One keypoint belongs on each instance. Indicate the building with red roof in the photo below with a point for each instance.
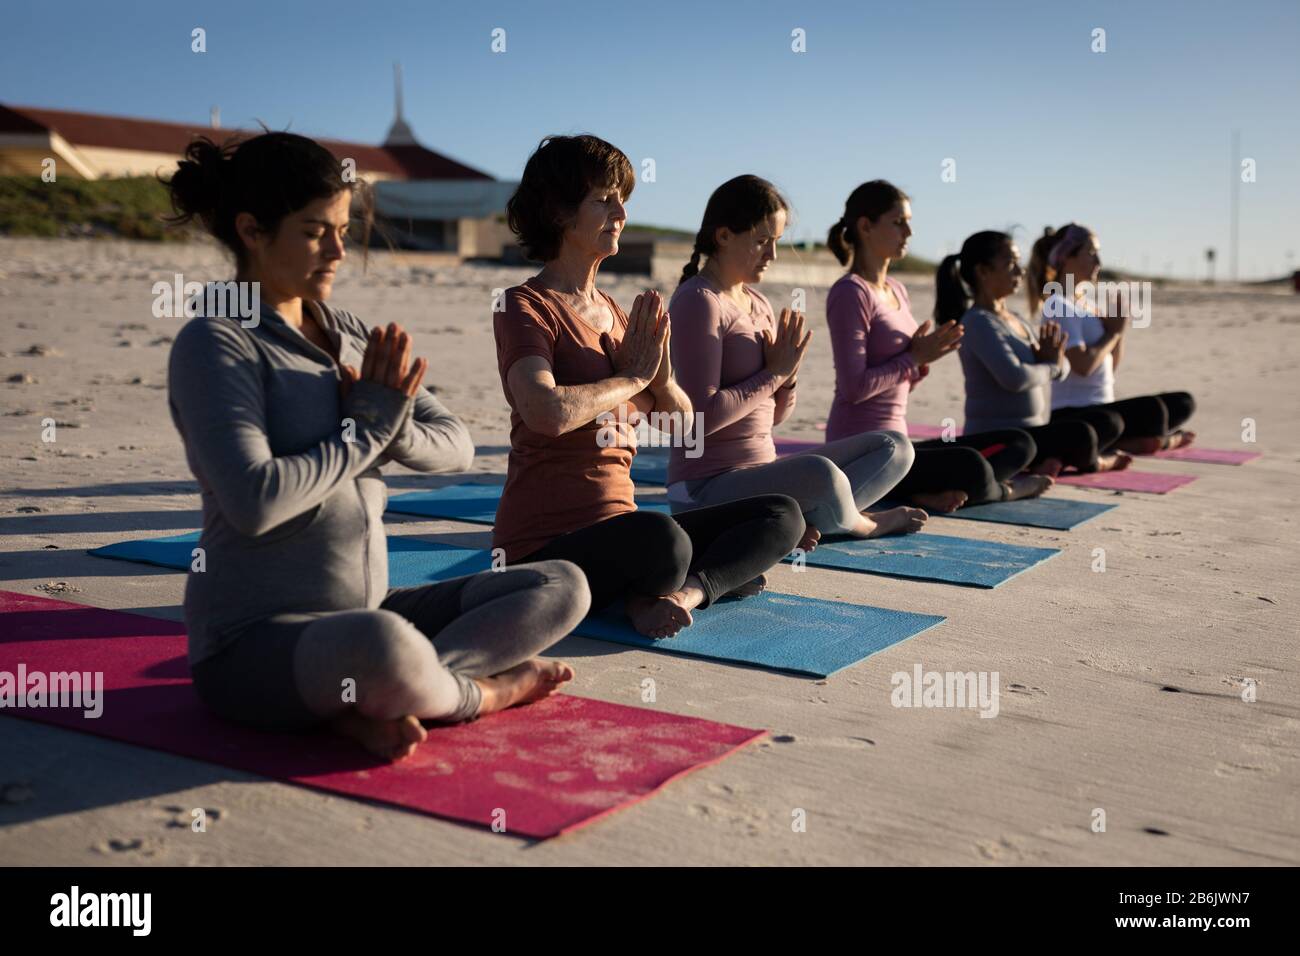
(429, 201)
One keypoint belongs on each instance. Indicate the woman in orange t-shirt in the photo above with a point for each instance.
(568, 355)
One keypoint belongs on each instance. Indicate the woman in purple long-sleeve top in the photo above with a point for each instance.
(881, 355)
(738, 363)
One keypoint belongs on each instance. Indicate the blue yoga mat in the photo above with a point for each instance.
(473, 503)
(170, 552)
(929, 557)
(780, 631)
(410, 561)
(650, 467)
(1059, 514)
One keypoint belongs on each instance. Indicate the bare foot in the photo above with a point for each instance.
(662, 616)
(1142, 446)
(522, 684)
(943, 502)
(1116, 462)
(1051, 467)
(900, 520)
(1027, 486)
(390, 739)
(809, 540)
(1179, 439)
(749, 588)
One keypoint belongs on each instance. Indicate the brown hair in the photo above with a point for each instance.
(739, 204)
(556, 179)
(269, 176)
(1040, 271)
(872, 200)
(955, 281)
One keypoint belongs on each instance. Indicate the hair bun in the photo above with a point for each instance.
(210, 160)
(198, 183)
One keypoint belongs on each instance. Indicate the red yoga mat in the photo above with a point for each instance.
(537, 771)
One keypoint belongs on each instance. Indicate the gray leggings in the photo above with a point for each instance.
(833, 483)
(417, 653)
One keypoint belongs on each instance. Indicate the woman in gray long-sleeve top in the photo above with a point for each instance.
(287, 416)
(1009, 371)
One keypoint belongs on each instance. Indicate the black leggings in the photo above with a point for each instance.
(976, 464)
(1073, 443)
(650, 554)
(1149, 416)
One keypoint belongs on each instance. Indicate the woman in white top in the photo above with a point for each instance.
(1064, 267)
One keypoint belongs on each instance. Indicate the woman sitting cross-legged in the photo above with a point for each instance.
(286, 421)
(568, 356)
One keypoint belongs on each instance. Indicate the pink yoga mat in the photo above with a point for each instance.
(1209, 456)
(1151, 482)
(552, 767)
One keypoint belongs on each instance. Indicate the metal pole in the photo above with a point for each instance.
(1236, 200)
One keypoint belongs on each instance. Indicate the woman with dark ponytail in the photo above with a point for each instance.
(1009, 369)
(738, 364)
(881, 355)
(1063, 273)
(286, 417)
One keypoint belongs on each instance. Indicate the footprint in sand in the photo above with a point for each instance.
(133, 846)
(1003, 849)
(183, 817)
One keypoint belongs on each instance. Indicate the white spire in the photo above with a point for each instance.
(399, 134)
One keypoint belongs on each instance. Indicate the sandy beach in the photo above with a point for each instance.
(1121, 690)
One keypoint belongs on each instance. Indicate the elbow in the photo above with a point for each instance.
(535, 416)
(466, 451)
(544, 421)
(251, 509)
(550, 425)
(468, 461)
(462, 449)
(248, 518)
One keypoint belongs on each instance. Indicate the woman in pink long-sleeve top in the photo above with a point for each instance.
(737, 362)
(874, 367)
(881, 355)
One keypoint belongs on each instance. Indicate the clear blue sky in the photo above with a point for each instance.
(1134, 141)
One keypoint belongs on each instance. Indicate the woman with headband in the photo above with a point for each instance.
(1010, 367)
(1069, 259)
(881, 355)
(739, 364)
